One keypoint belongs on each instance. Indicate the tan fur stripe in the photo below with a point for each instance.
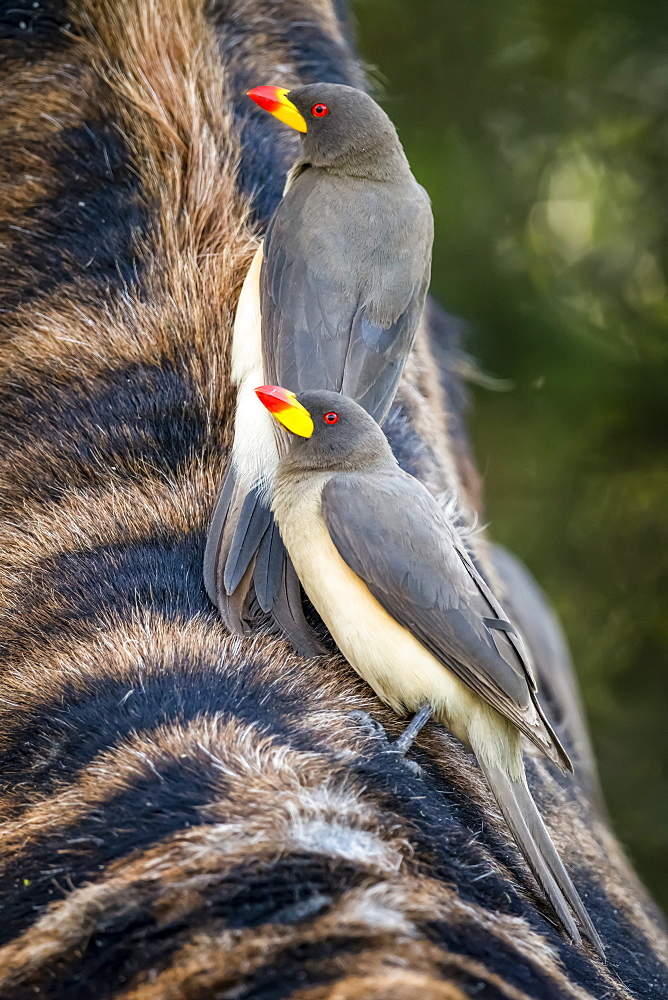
(152, 642)
(37, 101)
(386, 912)
(285, 784)
(164, 66)
(394, 984)
(179, 128)
(150, 647)
(188, 322)
(225, 961)
(322, 13)
(388, 915)
(115, 512)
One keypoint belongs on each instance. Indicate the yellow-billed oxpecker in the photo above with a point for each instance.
(406, 606)
(331, 301)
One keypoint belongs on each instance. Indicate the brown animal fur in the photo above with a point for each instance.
(185, 814)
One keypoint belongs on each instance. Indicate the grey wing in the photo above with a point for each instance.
(320, 327)
(393, 535)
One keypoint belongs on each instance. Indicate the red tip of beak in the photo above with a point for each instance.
(274, 397)
(266, 97)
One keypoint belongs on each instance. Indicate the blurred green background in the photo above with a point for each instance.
(540, 129)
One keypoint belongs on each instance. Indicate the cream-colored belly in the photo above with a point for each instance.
(402, 672)
(254, 450)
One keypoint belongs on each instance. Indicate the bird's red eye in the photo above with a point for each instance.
(331, 418)
(319, 110)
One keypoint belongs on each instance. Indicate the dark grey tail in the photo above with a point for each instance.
(246, 569)
(532, 837)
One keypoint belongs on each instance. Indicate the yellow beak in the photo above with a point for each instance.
(274, 100)
(286, 408)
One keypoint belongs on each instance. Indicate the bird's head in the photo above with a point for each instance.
(330, 431)
(343, 128)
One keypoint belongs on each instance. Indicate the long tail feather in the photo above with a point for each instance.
(246, 567)
(234, 608)
(214, 538)
(269, 568)
(540, 834)
(532, 837)
(252, 522)
(228, 529)
(289, 612)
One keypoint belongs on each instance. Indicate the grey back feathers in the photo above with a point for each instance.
(347, 255)
(344, 278)
(391, 532)
(345, 272)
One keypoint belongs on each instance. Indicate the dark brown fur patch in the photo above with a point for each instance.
(185, 814)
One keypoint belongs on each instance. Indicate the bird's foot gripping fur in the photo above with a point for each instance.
(402, 745)
(412, 730)
(371, 725)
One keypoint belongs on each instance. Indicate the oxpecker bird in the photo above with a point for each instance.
(395, 586)
(331, 301)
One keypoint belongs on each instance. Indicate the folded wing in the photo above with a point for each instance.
(340, 303)
(394, 536)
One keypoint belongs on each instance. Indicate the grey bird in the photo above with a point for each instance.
(406, 606)
(331, 301)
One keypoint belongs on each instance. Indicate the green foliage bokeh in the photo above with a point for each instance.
(540, 130)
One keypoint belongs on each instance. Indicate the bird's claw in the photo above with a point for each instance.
(367, 722)
(407, 762)
(375, 729)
